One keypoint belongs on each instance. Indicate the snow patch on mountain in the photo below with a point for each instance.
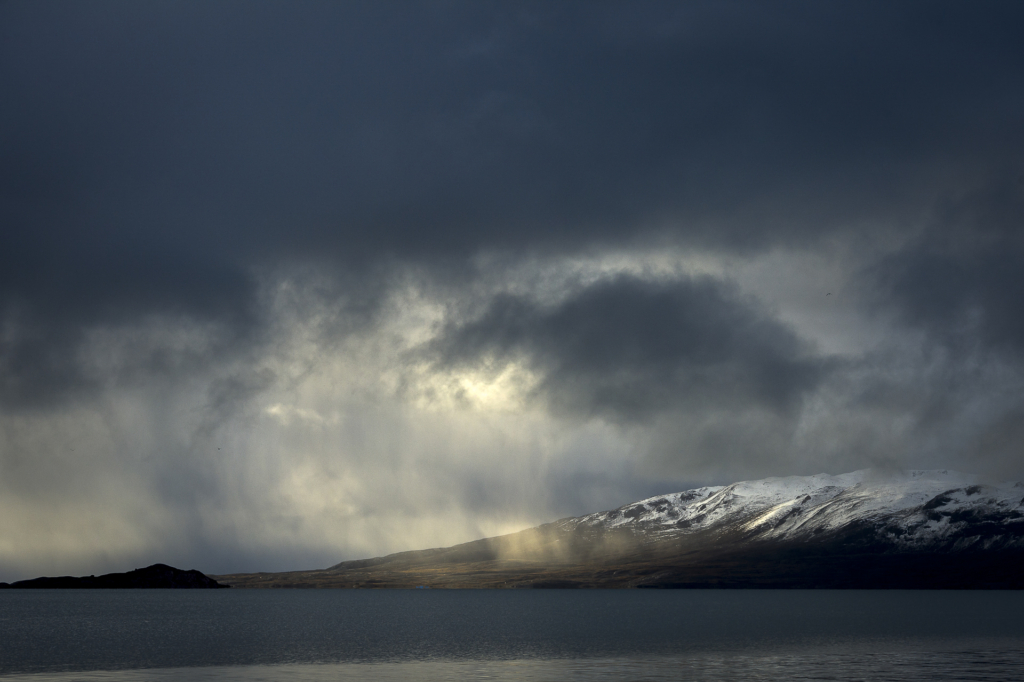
(912, 510)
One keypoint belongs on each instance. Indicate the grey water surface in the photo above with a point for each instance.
(136, 635)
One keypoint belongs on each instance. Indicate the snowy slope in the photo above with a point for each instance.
(917, 510)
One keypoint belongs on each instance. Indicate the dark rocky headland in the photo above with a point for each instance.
(159, 576)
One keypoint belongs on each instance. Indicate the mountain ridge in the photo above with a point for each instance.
(937, 509)
(919, 529)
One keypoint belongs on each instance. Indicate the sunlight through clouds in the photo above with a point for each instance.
(325, 281)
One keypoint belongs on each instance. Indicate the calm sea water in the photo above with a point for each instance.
(314, 635)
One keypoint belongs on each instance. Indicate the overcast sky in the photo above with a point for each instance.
(283, 284)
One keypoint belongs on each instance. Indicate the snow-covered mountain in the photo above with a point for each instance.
(913, 530)
(918, 510)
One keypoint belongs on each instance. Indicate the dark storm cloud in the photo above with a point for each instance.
(961, 282)
(153, 154)
(963, 279)
(263, 128)
(630, 349)
(46, 315)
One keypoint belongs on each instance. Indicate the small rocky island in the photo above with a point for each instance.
(155, 576)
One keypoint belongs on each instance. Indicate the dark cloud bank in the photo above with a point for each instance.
(627, 349)
(261, 227)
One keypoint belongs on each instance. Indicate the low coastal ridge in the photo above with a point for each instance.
(155, 576)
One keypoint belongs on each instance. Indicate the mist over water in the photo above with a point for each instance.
(534, 635)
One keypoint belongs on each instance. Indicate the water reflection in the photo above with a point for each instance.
(132, 636)
(1006, 666)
